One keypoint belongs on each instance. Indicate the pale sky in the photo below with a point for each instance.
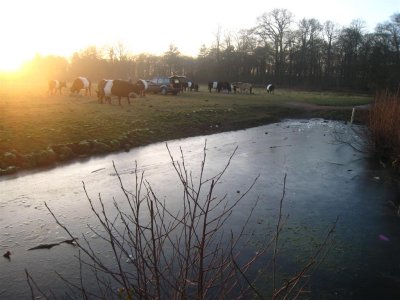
(63, 27)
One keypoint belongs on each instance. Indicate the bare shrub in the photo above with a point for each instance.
(185, 254)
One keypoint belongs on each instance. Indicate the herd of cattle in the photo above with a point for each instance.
(123, 88)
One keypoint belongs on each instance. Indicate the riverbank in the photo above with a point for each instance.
(37, 130)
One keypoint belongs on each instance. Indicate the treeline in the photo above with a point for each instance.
(301, 54)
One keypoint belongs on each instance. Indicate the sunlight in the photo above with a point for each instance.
(13, 58)
(10, 64)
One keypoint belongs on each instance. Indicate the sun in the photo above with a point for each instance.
(11, 63)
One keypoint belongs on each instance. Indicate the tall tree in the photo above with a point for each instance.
(391, 30)
(331, 32)
(385, 60)
(43, 68)
(171, 59)
(86, 63)
(217, 46)
(350, 41)
(308, 33)
(273, 27)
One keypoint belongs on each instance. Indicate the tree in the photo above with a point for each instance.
(392, 29)
(350, 41)
(121, 52)
(384, 56)
(308, 50)
(218, 43)
(273, 27)
(87, 62)
(331, 33)
(43, 68)
(171, 59)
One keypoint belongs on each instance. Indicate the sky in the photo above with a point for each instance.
(150, 26)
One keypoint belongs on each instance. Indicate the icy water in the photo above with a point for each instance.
(326, 179)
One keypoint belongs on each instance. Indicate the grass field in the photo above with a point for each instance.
(37, 129)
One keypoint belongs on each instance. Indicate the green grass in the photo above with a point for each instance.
(31, 121)
(323, 98)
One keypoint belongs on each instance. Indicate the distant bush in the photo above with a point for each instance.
(384, 125)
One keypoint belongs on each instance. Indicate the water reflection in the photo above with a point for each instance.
(326, 179)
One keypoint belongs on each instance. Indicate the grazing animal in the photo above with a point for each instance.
(212, 85)
(120, 88)
(220, 86)
(242, 87)
(81, 83)
(183, 82)
(100, 91)
(56, 85)
(193, 86)
(270, 88)
(224, 86)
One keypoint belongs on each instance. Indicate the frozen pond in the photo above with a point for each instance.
(326, 179)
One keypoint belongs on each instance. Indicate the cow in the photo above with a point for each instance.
(220, 86)
(212, 85)
(81, 83)
(242, 87)
(224, 86)
(56, 85)
(183, 82)
(270, 88)
(192, 86)
(120, 88)
(100, 91)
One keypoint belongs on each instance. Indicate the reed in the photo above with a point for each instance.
(384, 127)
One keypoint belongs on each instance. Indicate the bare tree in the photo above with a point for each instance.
(218, 38)
(273, 27)
(172, 62)
(308, 34)
(121, 51)
(392, 31)
(245, 41)
(331, 32)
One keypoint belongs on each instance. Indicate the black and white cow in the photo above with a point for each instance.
(56, 85)
(220, 86)
(100, 91)
(270, 88)
(224, 86)
(81, 83)
(120, 88)
(184, 83)
(192, 86)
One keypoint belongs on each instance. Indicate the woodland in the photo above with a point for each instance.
(304, 54)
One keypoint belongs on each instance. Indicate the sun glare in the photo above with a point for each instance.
(10, 64)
